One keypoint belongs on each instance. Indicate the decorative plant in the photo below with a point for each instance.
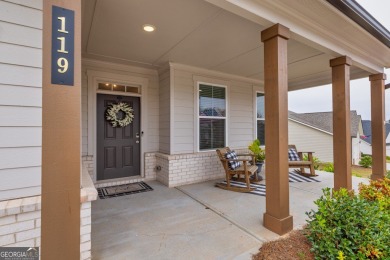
(366, 161)
(255, 148)
(377, 190)
(348, 226)
(329, 167)
(316, 161)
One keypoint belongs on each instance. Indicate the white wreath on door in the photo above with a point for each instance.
(112, 114)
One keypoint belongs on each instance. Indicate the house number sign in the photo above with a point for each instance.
(62, 52)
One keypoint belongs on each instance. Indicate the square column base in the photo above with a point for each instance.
(279, 226)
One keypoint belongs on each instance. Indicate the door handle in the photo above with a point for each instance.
(137, 135)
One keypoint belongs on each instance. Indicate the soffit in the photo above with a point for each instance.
(192, 32)
(318, 24)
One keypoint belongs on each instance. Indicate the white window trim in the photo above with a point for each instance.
(197, 117)
(255, 92)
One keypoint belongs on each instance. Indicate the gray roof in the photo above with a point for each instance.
(324, 120)
(367, 130)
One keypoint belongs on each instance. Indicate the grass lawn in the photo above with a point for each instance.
(359, 171)
(356, 170)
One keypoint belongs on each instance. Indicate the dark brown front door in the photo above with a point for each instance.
(118, 148)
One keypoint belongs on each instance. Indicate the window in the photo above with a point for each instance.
(119, 88)
(212, 117)
(260, 118)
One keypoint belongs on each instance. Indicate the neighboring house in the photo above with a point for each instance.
(314, 132)
(366, 138)
(196, 83)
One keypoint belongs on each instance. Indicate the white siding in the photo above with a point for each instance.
(308, 139)
(164, 112)
(20, 98)
(365, 148)
(240, 114)
(355, 150)
(183, 112)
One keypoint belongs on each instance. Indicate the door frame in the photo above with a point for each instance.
(93, 78)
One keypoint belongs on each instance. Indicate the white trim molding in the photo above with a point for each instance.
(96, 76)
(210, 82)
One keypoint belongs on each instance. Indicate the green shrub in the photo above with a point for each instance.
(388, 158)
(316, 161)
(255, 148)
(366, 161)
(378, 191)
(347, 226)
(329, 167)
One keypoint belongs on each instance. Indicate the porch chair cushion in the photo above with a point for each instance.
(232, 164)
(293, 155)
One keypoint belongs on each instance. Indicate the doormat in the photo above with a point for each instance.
(260, 188)
(122, 190)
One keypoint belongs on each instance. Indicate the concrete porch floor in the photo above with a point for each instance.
(197, 221)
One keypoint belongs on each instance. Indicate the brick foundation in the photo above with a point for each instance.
(20, 224)
(184, 169)
(20, 220)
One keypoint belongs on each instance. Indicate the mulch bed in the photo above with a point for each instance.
(294, 246)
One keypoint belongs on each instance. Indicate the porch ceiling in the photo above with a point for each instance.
(192, 32)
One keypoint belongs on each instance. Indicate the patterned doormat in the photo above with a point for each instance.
(122, 190)
(260, 188)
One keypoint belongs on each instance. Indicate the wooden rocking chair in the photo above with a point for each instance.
(246, 169)
(303, 164)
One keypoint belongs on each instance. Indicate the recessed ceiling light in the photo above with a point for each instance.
(149, 28)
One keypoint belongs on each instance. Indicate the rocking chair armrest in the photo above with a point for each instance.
(253, 157)
(247, 155)
(236, 160)
(308, 152)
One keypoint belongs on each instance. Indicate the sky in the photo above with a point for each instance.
(319, 99)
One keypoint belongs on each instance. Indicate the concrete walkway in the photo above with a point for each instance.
(196, 221)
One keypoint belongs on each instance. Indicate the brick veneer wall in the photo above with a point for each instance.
(20, 224)
(184, 169)
(88, 164)
(175, 170)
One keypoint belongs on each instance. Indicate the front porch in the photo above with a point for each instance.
(192, 221)
(195, 85)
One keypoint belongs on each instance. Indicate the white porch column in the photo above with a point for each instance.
(378, 126)
(277, 216)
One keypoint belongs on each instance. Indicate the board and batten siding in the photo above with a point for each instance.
(308, 139)
(240, 105)
(20, 98)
